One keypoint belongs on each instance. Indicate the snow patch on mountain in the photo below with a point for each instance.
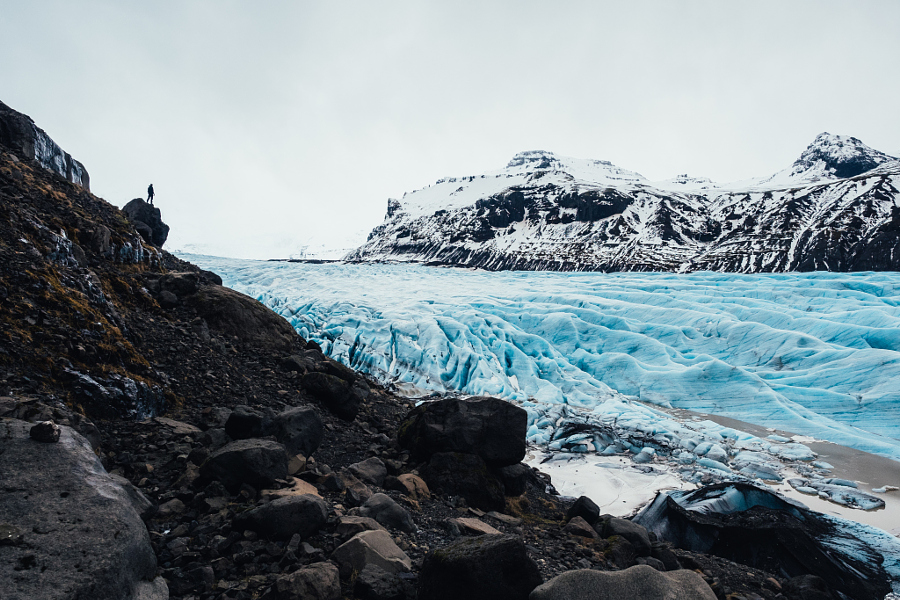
(836, 208)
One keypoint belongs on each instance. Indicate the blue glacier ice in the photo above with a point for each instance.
(813, 353)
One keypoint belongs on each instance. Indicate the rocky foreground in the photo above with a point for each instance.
(164, 437)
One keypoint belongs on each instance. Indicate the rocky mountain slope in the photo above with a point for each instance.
(836, 208)
(162, 436)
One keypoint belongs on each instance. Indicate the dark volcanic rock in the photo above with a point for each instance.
(319, 581)
(374, 583)
(636, 583)
(465, 475)
(80, 535)
(283, 517)
(585, 508)
(384, 510)
(338, 396)
(254, 461)
(492, 428)
(636, 534)
(116, 396)
(515, 478)
(299, 429)
(244, 423)
(19, 133)
(46, 431)
(488, 567)
(147, 217)
(235, 315)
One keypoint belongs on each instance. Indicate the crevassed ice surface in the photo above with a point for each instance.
(813, 353)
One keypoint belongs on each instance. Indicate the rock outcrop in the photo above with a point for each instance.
(70, 530)
(490, 427)
(147, 219)
(488, 567)
(19, 133)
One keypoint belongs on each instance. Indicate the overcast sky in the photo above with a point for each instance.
(267, 126)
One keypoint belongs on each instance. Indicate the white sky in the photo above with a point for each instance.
(267, 126)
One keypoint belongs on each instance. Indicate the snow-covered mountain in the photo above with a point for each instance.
(836, 208)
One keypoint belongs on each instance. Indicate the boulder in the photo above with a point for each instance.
(69, 529)
(338, 396)
(180, 284)
(383, 509)
(299, 429)
(349, 526)
(620, 552)
(256, 462)
(372, 470)
(492, 428)
(578, 526)
(167, 299)
(245, 422)
(473, 526)
(45, 431)
(663, 553)
(374, 583)
(233, 314)
(807, 587)
(636, 534)
(297, 487)
(464, 475)
(355, 491)
(487, 567)
(370, 547)
(408, 484)
(637, 583)
(515, 478)
(283, 517)
(319, 581)
(585, 508)
(139, 213)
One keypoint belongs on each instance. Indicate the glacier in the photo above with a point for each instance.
(816, 354)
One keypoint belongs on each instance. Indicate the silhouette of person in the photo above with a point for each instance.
(150, 194)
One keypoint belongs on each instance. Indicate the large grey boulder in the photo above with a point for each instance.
(636, 534)
(384, 510)
(370, 548)
(256, 462)
(74, 530)
(636, 583)
(488, 567)
(283, 517)
(489, 427)
(372, 470)
(319, 581)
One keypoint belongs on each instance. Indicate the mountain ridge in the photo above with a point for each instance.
(834, 208)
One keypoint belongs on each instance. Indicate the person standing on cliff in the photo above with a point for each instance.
(150, 194)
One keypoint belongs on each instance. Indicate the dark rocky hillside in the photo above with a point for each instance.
(162, 436)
